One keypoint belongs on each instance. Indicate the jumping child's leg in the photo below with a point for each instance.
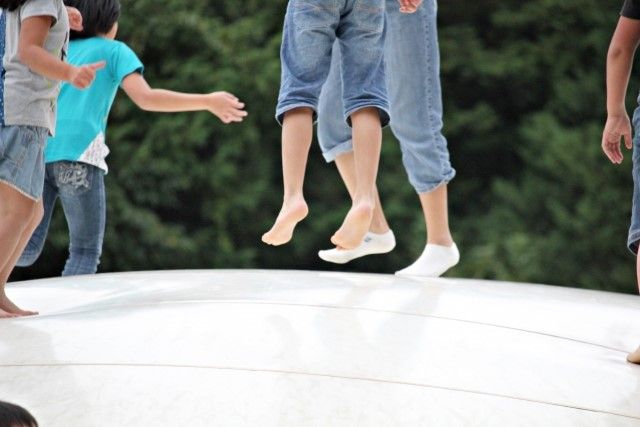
(367, 142)
(297, 133)
(347, 169)
(19, 216)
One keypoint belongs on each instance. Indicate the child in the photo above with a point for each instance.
(33, 44)
(310, 29)
(75, 158)
(415, 100)
(619, 63)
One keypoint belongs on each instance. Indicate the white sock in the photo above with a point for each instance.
(434, 261)
(372, 244)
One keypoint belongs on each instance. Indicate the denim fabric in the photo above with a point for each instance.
(310, 29)
(81, 190)
(22, 158)
(634, 230)
(413, 76)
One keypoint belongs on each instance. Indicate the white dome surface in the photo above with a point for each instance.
(293, 348)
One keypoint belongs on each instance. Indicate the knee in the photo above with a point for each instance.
(19, 215)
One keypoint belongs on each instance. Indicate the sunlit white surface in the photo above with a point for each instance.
(290, 348)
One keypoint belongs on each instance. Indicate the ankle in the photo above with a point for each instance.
(365, 201)
(444, 240)
(293, 197)
(379, 229)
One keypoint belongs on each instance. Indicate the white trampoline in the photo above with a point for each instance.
(292, 348)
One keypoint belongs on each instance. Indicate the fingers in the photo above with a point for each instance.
(227, 107)
(409, 6)
(628, 142)
(75, 25)
(611, 147)
(86, 74)
(75, 18)
(234, 115)
(97, 65)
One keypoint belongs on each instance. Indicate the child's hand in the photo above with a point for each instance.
(82, 77)
(225, 106)
(409, 6)
(75, 18)
(617, 127)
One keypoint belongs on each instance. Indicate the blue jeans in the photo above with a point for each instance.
(22, 159)
(81, 190)
(310, 29)
(413, 76)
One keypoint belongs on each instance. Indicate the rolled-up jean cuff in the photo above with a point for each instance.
(429, 188)
(338, 150)
(284, 108)
(383, 110)
(633, 241)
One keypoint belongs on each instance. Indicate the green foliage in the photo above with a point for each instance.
(523, 82)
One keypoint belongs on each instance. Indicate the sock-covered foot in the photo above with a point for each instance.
(373, 243)
(355, 226)
(434, 261)
(290, 215)
(7, 306)
(634, 357)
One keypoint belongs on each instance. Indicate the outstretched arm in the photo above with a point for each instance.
(619, 62)
(33, 35)
(222, 104)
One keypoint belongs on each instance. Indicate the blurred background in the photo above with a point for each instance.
(534, 199)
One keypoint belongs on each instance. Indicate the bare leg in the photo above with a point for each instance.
(379, 240)
(297, 133)
(367, 141)
(347, 168)
(6, 271)
(436, 216)
(16, 212)
(440, 253)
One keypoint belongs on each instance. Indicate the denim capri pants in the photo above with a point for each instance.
(310, 29)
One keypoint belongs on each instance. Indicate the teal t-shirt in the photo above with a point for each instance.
(82, 114)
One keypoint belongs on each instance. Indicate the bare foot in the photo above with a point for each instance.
(290, 215)
(355, 227)
(9, 307)
(6, 315)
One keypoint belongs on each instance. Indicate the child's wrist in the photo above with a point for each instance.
(616, 112)
(68, 73)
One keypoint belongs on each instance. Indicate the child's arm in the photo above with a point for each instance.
(619, 62)
(33, 35)
(224, 105)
